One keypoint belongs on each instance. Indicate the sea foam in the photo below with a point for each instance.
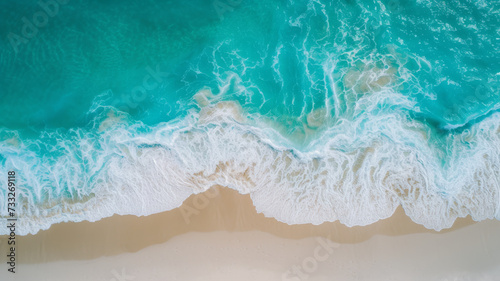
(358, 171)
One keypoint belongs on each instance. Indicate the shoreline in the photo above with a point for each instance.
(235, 212)
(225, 216)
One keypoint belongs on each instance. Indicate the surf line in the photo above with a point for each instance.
(11, 221)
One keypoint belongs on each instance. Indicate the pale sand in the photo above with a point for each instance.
(228, 240)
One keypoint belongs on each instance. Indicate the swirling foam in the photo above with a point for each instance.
(358, 172)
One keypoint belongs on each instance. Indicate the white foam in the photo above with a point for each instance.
(358, 172)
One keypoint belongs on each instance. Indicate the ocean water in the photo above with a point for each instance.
(320, 110)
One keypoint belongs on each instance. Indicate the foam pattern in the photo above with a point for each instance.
(127, 167)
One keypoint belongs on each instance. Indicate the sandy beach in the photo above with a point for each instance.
(327, 140)
(218, 235)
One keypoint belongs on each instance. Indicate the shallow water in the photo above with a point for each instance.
(321, 110)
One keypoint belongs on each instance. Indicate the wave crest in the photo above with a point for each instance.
(357, 172)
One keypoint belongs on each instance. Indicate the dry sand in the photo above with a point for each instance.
(220, 236)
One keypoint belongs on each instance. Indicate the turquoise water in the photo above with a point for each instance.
(321, 110)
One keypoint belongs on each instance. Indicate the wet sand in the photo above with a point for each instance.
(218, 235)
